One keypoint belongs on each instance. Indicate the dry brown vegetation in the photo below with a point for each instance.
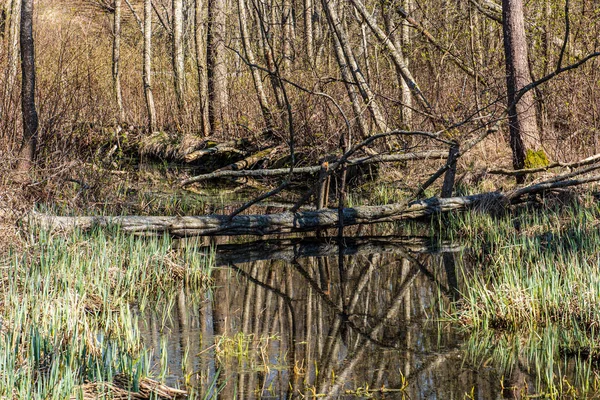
(445, 46)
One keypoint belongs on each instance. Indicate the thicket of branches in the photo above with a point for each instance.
(326, 69)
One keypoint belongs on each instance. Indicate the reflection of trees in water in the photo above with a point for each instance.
(338, 329)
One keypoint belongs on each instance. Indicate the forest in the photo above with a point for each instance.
(299, 198)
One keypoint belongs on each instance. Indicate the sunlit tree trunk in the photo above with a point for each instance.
(217, 66)
(350, 88)
(201, 65)
(116, 61)
(178, 58)
(358, 77)
(12, 50)
(256, 76)
(395, 53)
(399, 35)
(147, 71)
(30, 117)
(524, 133)
(308, 31)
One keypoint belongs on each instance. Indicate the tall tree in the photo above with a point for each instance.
(358, 77)
(30, 117)
(13, 42)
(201, 64)
(178, 58)
(217, 65)
(116, 61)
(524, 135)
(147, 70)
(256, 76)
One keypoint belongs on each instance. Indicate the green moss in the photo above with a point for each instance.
(536, 159)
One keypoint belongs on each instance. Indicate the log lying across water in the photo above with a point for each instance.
(223, 225)
(219, 225)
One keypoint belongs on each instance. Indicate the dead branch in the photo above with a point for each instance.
(527, 171)
(424, 155)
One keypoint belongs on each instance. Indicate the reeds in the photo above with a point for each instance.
(532, 294)
(68, 309)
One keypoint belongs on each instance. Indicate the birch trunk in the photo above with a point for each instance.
(394, 53)
(308, 31)
(178, 58)
(147, 69)
(256, 78)
(358, 77)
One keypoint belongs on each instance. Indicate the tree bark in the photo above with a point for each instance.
(256, 78)
(116, 63)
(178, 58)
(147, 70)
(358, 77)
(217, 66)
(30, 117)
(13, 42)
(394, 53)
(213, 225)
(522, 120)
(308, 31)
(201, 65)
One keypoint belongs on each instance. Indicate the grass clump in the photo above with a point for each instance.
(68, 309)
(531, 299)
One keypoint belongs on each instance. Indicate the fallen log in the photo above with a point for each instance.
(221, 148)
(212, 225)
(223, 225)
(425, 155)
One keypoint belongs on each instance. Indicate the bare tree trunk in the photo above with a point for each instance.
(256, 78)
(216, 65)
(287, 34)
(147, 71)
(200, 65)
(13, 43)
(350, 88)
(178, 59)
(394, 53)
(359, 78)
(267, 50)
(30, 117)
(308, 31)
(400, 42)
(116, 61)
(404, 46)
(524, 135)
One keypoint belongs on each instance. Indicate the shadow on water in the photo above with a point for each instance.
(287, 319)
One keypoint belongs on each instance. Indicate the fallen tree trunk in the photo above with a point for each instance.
(223, 225)
(425, 155)
(212, 225)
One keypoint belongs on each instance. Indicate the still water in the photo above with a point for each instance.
(308, 317)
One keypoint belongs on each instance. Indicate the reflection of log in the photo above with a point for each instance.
(305, 221)
(293, 249)
(425, 155)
